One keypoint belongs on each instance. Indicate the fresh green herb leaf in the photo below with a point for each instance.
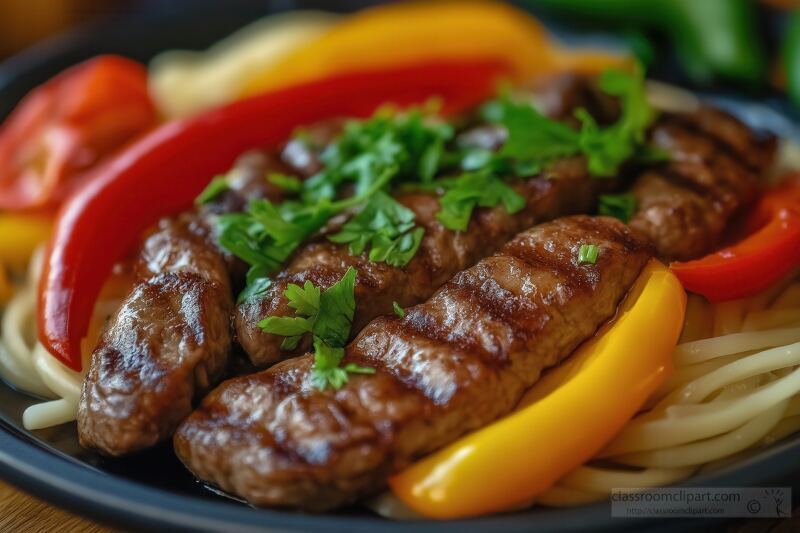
(399, 311)
(608, 148)
(386, 227)
(217, 186)
(534, 137)
(327, 314)
(370, 154)
(326, 371)
(535, 140)
(637, 114)
(353, 368)
(471, 190)
(286, 326)
(265, 235)
(286, 183)
(587, 254)
(257, 287)
(620, 206)
(304, 300)
(336, 307)
(408, 144)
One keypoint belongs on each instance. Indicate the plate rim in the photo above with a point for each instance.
(77, 487)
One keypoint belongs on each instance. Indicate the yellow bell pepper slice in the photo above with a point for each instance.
(564, 420)
(410, 32)
(20, 235)
(6, 289)
(186, 82)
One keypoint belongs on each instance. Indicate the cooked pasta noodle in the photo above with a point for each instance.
(28, 366)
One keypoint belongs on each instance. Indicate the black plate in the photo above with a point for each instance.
(153, 490)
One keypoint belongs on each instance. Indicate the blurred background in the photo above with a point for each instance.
(749, 47)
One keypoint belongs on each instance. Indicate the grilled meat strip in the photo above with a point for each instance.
(445, 252)
(451, 365)
(169, 342)
(565, 188)
(714, 169)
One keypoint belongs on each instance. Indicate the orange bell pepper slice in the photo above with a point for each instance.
(564, 420)
(406, 33)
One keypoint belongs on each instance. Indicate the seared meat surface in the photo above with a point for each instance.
(714, 169)
(453, 364)
(565, 188)
(169, 342)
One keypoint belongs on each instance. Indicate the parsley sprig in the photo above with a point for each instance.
(534, 140)
(365, 160)
(386, 227)
(328, 316)
(389, 149)
(475, 189)
(620, 206)
(265, 234)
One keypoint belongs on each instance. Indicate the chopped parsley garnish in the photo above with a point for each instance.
(258, 287)
(587, 254)
(284, 182)
(608, 148)
(367, 158)
(327, 315)
(217, 186)
(374, 156)
(406, 145)
(534, 140)
(265, 235)
(471, 190)
(327, 372)
(399, 311)
(620, 206)
(386, 227)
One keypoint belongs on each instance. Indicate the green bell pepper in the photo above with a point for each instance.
(713, 38)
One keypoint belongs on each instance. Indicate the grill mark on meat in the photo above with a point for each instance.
(567, 189)
(279, 441)
(685, 180)
(686, 203)
(754, 149)
(721, 144)
(170, 341)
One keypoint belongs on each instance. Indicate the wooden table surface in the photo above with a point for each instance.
(20, 513)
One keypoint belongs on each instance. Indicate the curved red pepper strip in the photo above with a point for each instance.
(163, 172)
(761, 259)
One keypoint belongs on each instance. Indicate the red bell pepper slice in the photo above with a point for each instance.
(769, 252)
(67, 125)
(163, 172)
